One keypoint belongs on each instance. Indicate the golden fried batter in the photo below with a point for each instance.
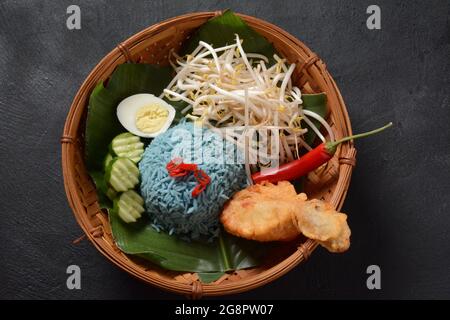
(263, 212)
(268, 212)
(318, 220)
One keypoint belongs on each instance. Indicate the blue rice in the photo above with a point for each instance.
(169, 201)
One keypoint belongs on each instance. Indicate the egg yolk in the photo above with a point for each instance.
(151, 118)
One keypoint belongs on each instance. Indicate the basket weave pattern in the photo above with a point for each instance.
(152, 45)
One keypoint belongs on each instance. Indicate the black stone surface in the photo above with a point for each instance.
(398, 202)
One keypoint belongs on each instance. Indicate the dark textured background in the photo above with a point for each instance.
(398, 201)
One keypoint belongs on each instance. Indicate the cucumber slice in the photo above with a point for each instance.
(122, 174)
(124, 215)
(108, 158)
(127, 145)
(130, 206)
(111, 193)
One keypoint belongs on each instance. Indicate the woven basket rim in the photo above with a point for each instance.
(120, 55)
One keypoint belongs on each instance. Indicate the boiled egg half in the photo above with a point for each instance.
(145, 115)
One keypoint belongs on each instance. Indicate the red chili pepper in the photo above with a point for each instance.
(198, 189)
(307, 163)
(202, 177)
(177, 168)
(173, 168)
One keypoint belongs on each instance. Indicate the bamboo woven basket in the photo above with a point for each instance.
(152, 45)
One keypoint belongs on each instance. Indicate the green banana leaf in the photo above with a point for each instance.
(207, 277)
(102, 188)
(222, 30)
(224, 254)
(102, 124)
(316, 103)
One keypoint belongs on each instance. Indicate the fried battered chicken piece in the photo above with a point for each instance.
(268, 212)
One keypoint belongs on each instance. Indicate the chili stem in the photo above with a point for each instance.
(360, 135)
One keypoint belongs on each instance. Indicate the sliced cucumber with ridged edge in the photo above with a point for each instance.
(129, 206)
(122, 174)
(128, 145)
(108, 158)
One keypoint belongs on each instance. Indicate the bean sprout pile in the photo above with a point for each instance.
(227, 87)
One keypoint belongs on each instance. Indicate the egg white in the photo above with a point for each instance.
(128, 108)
